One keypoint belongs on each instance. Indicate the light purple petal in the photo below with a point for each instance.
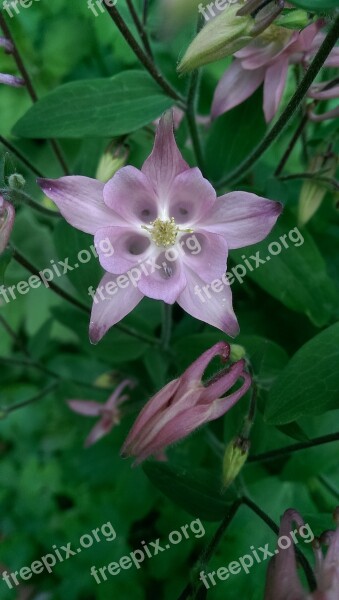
(102, 428)
(243, 218)
(116, 399)
(211, 261)
(213, 308)
(191, 196)
(166, 161)
(331, 114)
(80, 201)
(333, 59)
(319, 91)
(234, 87)
(11, 80)
(195, 372)
(223, 383)
(130, 194)
(274, 85)
(86, 407)
(168, 279)
(129, 245)
(111, 304)
(7, 217)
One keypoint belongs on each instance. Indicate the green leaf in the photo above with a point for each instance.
(195, 492)
(95, 108)
(317, 5)
(295, 275)
(310, 382)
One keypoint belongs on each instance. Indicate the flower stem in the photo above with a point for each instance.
(30, 88)
(20, 196)
(140, 28)
(191, 110)
(20, 156)
(145, 12)
(35, 398)
(140, 54)
(166, 325)
(77, 303)
(291, 108)
(281, 452)
(291, 145)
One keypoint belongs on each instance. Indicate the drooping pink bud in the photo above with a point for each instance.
(7, 216)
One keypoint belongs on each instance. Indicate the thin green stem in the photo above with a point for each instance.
(20, 196)
(330, 181)
(35, 398)
(291, 145)
(191, 113)
(291, 108)
(145, 12)
(20, 156)
(141, 55)
(166, 325)
(282, 452)
(140, 28)
(77, 303)
(29, 85)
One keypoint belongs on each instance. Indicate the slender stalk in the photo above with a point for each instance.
(140, 28)
(191, 112)
(29, 85)
(319, 179)
(267, 519)
(20, 156)
(20, 196)
(77, 303)
(141, 55)
(166, 325)
(35, 398)
(192, 590)
(145, 12)
(282, 452)
(291, 108)
(297, 134)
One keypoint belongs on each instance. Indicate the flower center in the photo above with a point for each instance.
(163, 233)
(274, 33)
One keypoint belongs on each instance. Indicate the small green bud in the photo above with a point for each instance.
(16, 181)
(111, 163)
(313, 192)
(293, 19)
(237, 352)
(235, 456)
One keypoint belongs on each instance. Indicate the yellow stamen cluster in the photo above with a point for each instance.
(163, 233)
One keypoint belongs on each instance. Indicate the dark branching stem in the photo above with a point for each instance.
(35, 398)
(297, 134)
(291, 108)
(29, 85)
(141, 55)
(77, 303)
(282, 452)
(20, 156)
(145, 12)
(140, 28)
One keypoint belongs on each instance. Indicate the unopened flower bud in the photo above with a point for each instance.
(111, 163)
(7, 215)
(293, 19)
(313, 192)
(16, 181)
(234, 459)
(237, 352)
(11, 80)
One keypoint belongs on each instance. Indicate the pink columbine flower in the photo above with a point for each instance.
(7, 216)
(266, 60)
(283, 582)
(109, 412)
(169, 231)
(326, 90)
(185, 404)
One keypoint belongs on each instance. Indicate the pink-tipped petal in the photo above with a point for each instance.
(242, 218)
(130, 194)
(195, 371)
(166, 161)
(190, 197)
(166, 278)
(214, 308)
(102, 428)
(7, 217)
(331, 114)
(234, 87)
(111, 304)
(209, 260)
(319, 92)
(80, 201)
(223, 382)
(126, 247)
(11, 80)
(274, 85)
(116, 398)
(86, 407)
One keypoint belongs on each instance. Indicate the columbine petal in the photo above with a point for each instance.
(99, 430)
(322, 92)
(11, 80)
(129, 248)
(331, 114)
(86, 407)
(80, 201)
(167, 281)
(242, 218)
(117, 303)
(166, 161)
(209, 262)
(7, 217)
(214, 308)
(235, 86)
(130, 194)
(191, 196)
(116, 399)
(274, 85)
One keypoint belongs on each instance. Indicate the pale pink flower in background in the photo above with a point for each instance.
(11, 80)
(283, 581)
(149, 216)
(7, 216)
(109, 413)
(185, 404)
(326, 90)
(266, 61)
